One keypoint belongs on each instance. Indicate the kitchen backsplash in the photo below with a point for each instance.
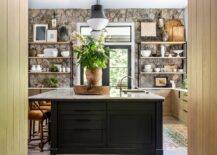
(70, 18)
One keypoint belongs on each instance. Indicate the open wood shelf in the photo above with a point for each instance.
(48, 43)
(163, 58)
(163, 42)
(35, 88)
(49, 72)
(49, 57)
(163, 73)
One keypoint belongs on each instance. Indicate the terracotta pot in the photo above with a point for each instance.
(94, 76)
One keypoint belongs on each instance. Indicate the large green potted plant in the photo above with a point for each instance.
(92, 55)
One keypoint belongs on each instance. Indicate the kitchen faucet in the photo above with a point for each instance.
(121, 82)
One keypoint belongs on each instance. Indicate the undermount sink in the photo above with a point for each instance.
(135, 91)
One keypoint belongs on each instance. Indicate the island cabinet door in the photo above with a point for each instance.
(132, 125)
(81, 125)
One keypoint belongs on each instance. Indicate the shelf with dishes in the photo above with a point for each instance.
(49, 72)
(44, 88)
(48, 43)
(50, 58)
(173, 54)
(164, 42)
(163, 57)
(162, 62)
(163, 72)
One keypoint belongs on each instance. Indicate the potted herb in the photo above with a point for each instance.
(53, 68)
(51, 82)
(92, 55)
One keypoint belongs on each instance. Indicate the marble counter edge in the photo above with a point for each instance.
(69, 95)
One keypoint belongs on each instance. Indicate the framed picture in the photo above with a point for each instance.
(51, 35)
(40, 32)
(161, 81)
(148, 29)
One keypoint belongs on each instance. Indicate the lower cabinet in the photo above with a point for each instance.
(180, 105)
(131, 126)
(105, 128)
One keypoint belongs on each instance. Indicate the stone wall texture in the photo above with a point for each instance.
(70, 18)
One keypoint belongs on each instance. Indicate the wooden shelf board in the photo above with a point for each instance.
(163, 42)
(49, 43)
(35, 88)
(163, 58)
(50, 57)
(163, 73)
(49, 73)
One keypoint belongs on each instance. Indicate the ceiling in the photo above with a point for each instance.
(85, 4)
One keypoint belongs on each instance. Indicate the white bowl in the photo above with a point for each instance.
(181, 70)
(40, 55)
(148, 70)
(178, 52)
(145, 53)
(65, 54)
(50, 52)
(157, 70)
(147, 66)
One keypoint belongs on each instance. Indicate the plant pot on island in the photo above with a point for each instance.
(92, 55)
(93, 76)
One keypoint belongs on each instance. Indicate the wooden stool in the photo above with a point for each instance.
(38, 114)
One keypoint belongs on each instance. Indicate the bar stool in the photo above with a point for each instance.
(37, 114)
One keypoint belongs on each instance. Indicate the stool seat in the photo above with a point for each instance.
(45, 103)
(48, 108)
(37, 114)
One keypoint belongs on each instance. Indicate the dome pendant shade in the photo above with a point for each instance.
(98, 20)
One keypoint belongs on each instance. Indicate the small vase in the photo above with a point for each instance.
(163, 50)
(33, 53)
(94, 77)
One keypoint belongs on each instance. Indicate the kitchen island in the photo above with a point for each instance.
(104, 124)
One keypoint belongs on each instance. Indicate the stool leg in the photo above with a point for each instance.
(49, 123)
(39, 126)
(33, 128)
(30, 130)
(41, 145)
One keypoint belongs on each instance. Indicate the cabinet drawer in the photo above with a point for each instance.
(81, 108)
(82, 137)
(134, 106)
(70, 122)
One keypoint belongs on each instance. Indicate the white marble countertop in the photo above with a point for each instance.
(68, 94)
(177, 89)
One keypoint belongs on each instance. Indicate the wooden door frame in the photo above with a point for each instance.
(14, 77)
(202, 55)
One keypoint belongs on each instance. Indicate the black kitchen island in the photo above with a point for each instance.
(114, 124)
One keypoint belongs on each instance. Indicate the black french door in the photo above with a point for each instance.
(119, 65)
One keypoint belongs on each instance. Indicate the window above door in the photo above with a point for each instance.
(115, 33)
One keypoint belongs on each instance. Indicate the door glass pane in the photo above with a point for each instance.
(116, 74)
(118, 66)
(119, 58)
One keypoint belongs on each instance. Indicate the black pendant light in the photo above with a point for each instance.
(98, 20)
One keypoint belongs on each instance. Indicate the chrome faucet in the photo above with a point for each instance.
(121, 82)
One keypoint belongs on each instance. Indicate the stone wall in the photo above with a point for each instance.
(70, 18)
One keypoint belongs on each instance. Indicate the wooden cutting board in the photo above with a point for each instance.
(179, 33)
(169, 27)
(95, 90)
